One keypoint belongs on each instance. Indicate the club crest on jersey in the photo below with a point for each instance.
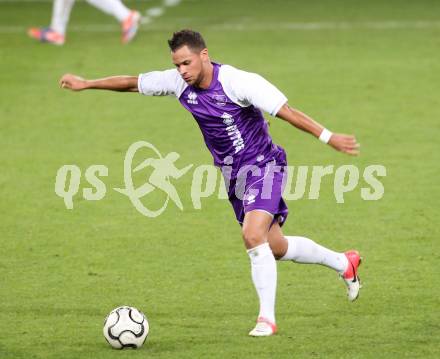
(220, 100)
(192, 98)
(227, 119)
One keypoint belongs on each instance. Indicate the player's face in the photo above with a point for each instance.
(189, 63)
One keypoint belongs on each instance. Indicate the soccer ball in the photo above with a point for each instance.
(126, 327)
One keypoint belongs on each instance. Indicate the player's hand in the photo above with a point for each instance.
(344, 143)
(72, 82)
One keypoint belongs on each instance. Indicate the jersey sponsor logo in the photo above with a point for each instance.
(219, 100)
(227, 119)
(233, 132)
(192, 98)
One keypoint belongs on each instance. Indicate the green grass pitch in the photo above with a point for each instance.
(365, 67)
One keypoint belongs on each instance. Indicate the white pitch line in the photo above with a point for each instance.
(342, 25)
(289, 26)
(171, 2)
(155, 11)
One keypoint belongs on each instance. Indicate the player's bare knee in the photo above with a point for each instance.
(252, 238)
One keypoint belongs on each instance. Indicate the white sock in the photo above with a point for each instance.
(112, 7)
(304, 250)
(264, 276)
(60, 15)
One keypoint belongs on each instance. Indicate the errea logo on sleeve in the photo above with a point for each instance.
(192, 98)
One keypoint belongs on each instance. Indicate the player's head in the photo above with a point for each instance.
(190, 55)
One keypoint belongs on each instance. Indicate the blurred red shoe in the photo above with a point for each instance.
(130, 26)
(45, 34)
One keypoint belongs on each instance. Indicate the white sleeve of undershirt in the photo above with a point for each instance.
(246, 88)
(161, 83)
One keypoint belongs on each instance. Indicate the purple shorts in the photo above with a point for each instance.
(260, 187)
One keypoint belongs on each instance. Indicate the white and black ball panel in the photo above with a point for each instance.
(125, 323)
(126, 327)
(128, 339)
(136, 315)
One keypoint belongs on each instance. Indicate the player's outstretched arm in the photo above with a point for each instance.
(340, 142)
(114, 83)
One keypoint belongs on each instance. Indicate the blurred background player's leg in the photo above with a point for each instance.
(55, 34)
(60, 15)
(129, 19)
(112, 7)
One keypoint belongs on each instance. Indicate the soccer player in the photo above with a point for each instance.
(56, 33)
(227, 103)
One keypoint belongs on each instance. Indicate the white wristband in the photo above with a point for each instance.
(325, 135)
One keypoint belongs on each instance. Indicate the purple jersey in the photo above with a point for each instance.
(228, 112)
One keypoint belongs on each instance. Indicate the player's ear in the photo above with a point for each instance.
(204, 54)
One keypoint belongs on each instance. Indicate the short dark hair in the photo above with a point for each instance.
(190, 38)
